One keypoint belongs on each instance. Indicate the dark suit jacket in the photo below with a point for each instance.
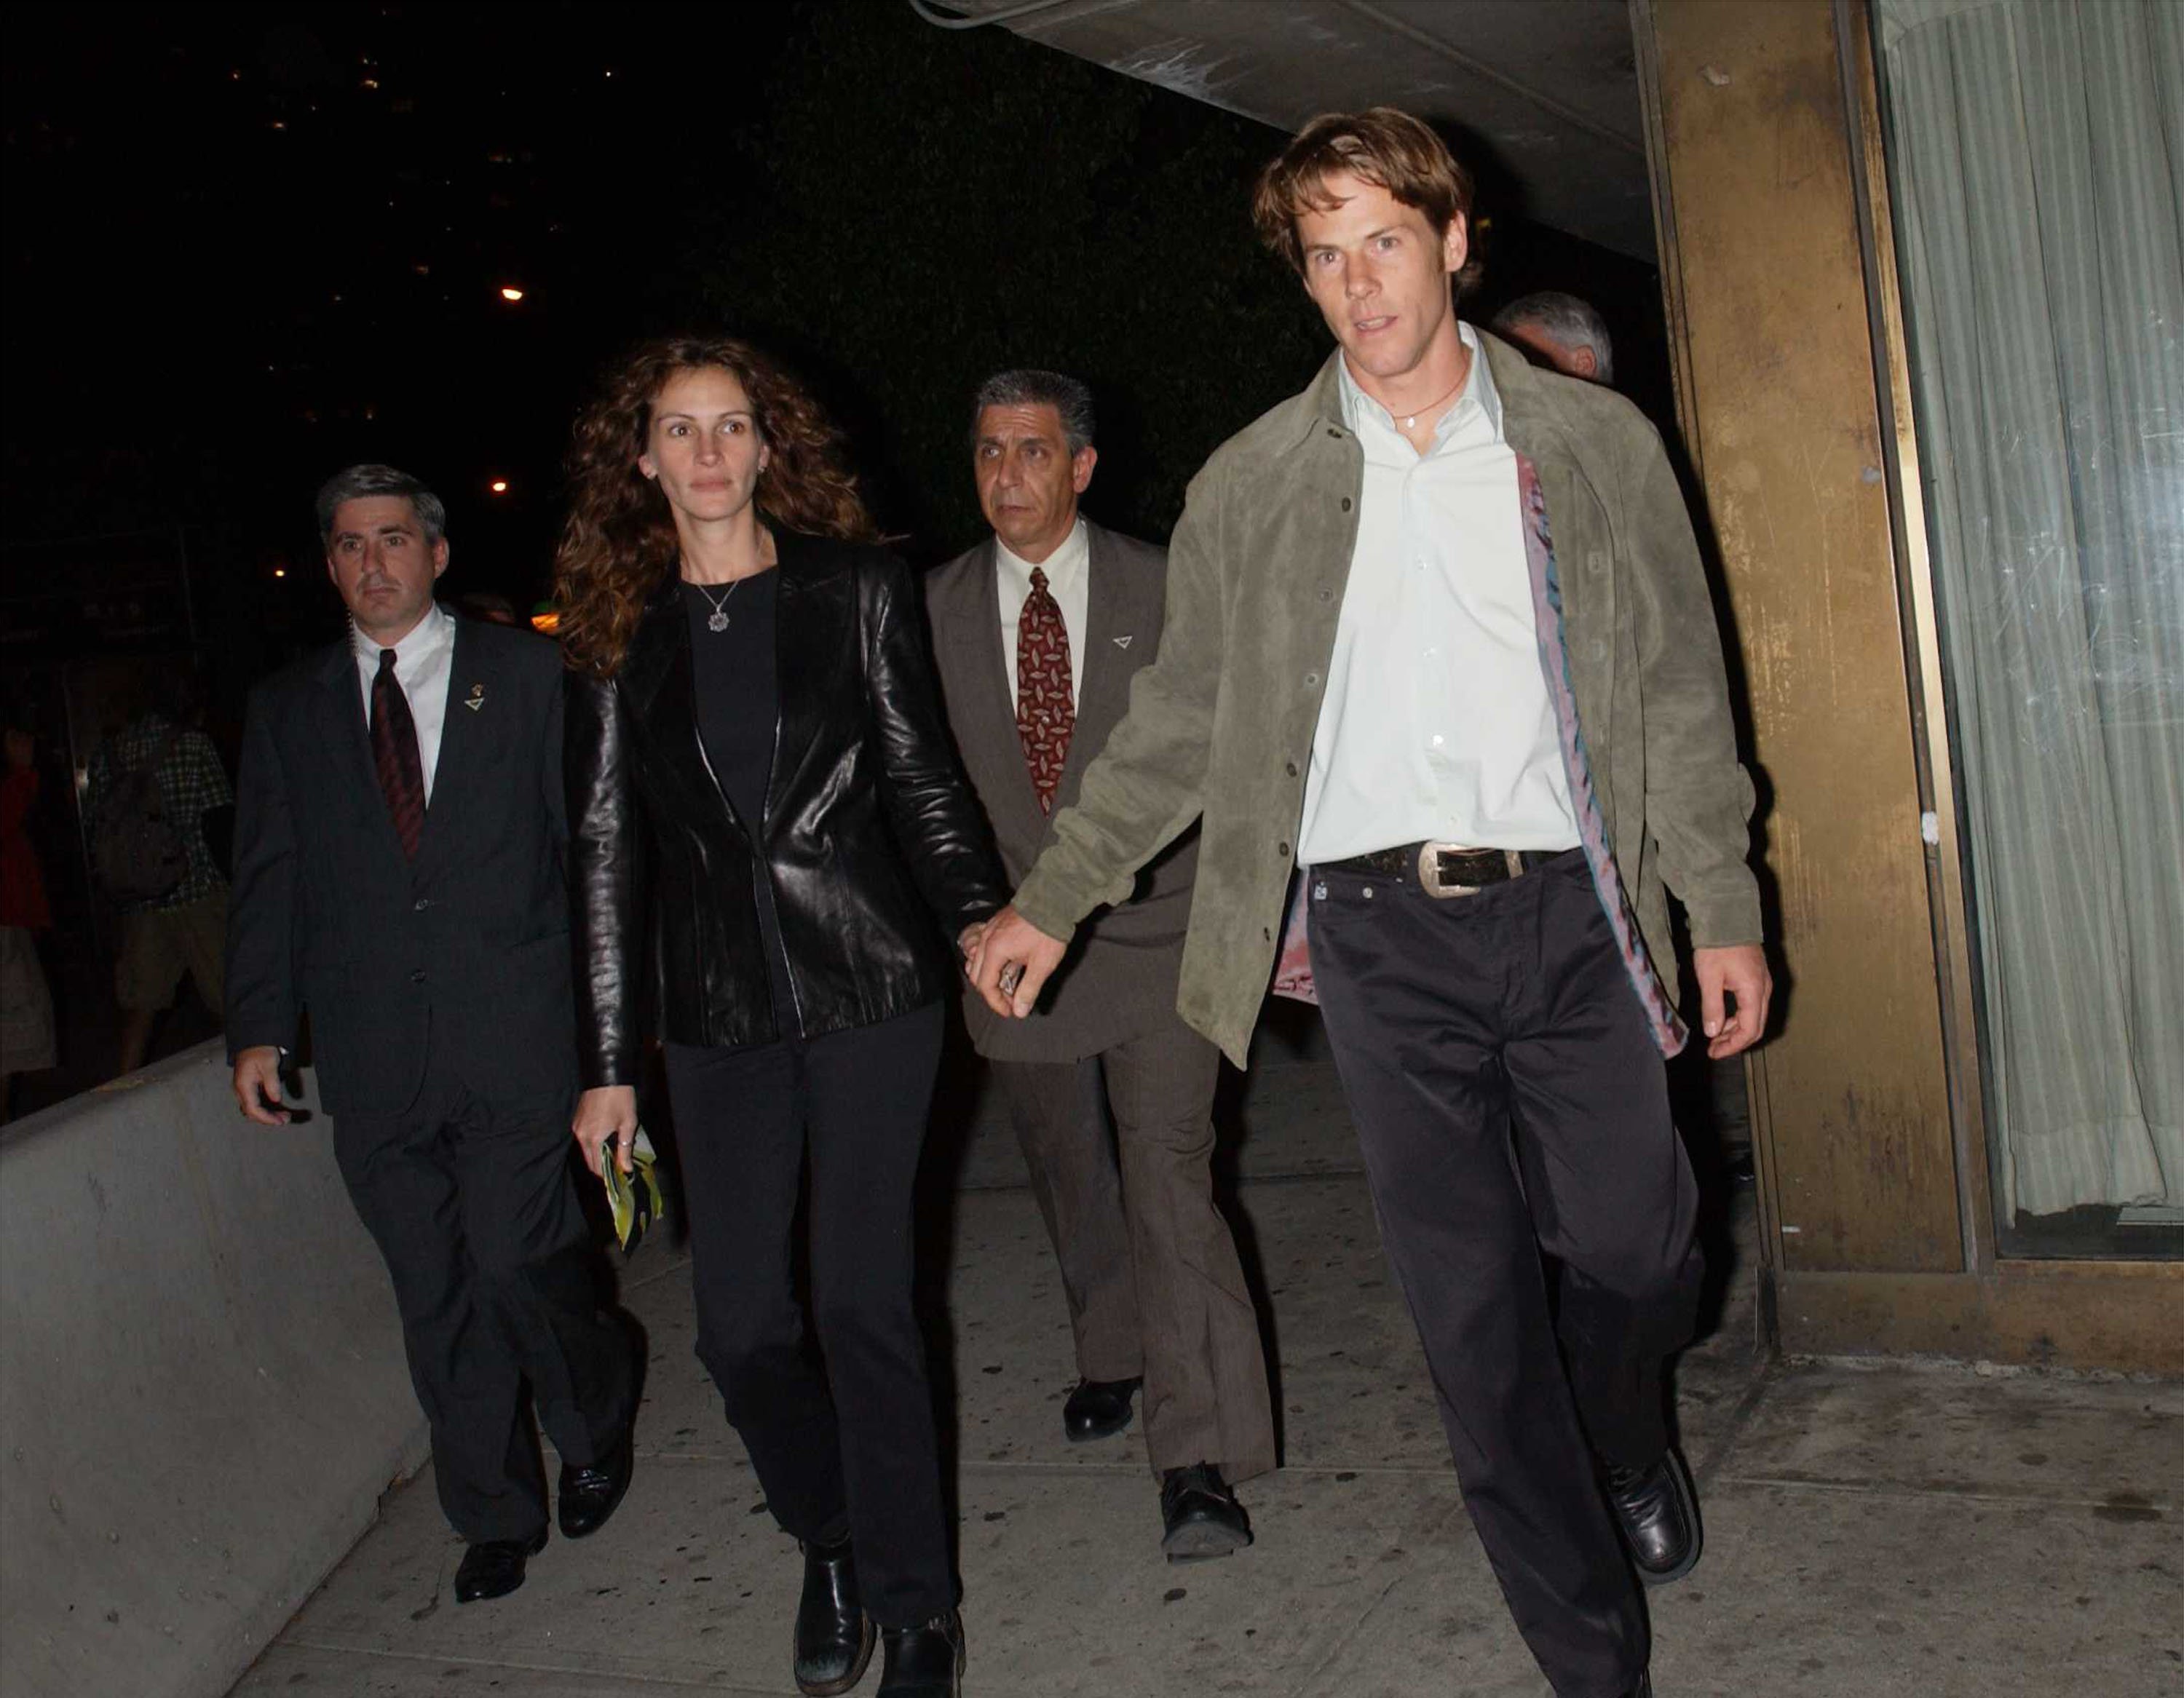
(465, 950)
(1120, 976)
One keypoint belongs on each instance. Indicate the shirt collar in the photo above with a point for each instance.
(1061, 567)
(1479, 394)
(436, 627)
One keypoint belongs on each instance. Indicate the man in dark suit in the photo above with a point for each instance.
(1038, 631)
(400, 838)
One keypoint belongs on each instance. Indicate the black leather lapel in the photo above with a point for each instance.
(817, 667)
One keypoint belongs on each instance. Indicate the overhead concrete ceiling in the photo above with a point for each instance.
(1541, 94)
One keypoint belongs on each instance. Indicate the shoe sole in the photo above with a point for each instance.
(1201, 1541)
(1687, 1497)
(833, 1688)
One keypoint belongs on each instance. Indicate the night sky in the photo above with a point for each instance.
(246, 246)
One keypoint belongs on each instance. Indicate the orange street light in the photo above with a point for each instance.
(280, 571)
(510, 293)
(499, 485)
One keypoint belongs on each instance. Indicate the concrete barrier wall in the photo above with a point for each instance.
(202, 1386)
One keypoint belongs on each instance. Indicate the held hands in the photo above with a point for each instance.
(607, 1115)
(257, 1085)
(1013, 963)
(1733, 978)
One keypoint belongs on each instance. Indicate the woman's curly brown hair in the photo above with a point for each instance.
(619, 542)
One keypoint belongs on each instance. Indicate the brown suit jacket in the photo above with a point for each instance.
(1119, 977)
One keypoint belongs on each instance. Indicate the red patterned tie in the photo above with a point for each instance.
(1045, 715)
(394, 752)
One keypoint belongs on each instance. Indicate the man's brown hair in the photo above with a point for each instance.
(1382, 146)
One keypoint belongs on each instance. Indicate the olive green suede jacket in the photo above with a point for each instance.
(1220, 725)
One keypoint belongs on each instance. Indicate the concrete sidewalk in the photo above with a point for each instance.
(1909, 1530)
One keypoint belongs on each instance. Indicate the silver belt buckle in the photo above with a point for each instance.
(1429, 857)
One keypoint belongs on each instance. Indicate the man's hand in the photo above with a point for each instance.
(968, 941)
(606, 1115)
(1738, 973)
(1013, 962)
(258, 1084)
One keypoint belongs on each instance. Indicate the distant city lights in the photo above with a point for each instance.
(510, 293)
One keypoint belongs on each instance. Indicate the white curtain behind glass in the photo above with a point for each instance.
(2038, 149)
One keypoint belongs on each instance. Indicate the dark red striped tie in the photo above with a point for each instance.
(394, 752)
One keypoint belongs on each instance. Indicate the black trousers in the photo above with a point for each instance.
(845, 1446)
(1509, 1101)
(473, 1205)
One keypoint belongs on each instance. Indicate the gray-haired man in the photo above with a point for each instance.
(1038, 631)
(1562, 330)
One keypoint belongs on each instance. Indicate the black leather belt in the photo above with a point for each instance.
(1445, 869)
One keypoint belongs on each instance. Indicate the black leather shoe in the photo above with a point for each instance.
(834, 1634)
(493, 1568)
(1098, 1409)
(1658, 1513)
(923, 1662)
(1200, 1516)
(589, 1495)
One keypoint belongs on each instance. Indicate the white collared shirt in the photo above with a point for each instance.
(424, 664)
(1436, 724)
(1068, 571)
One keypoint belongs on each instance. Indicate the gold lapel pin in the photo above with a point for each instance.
(477, 698)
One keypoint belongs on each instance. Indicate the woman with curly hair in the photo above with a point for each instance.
(767, 817)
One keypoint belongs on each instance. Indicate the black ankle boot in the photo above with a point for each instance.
(834, 1634)
(924, 1662)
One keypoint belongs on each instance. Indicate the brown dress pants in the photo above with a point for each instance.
(1148, 1263)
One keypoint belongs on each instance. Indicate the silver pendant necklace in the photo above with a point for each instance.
(718, 620)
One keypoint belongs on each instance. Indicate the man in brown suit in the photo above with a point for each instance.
(1038, 631)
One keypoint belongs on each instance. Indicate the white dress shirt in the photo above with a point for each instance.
(424, 664)
(1068, 571)
(1436, 724)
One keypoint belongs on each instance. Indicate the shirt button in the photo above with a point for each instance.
(417, 977)
(1438, 740)
(421, 904)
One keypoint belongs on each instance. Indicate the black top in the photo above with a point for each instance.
(732, 673)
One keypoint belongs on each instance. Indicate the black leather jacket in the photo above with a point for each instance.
(870, 832)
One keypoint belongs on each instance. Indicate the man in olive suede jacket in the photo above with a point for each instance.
(1438, 640)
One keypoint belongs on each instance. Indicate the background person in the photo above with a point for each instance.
(1563, 331)
(181, 928)
(398, 878)
(1037, 632)
(768, 820)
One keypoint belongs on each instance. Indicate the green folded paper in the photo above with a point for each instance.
(637, 1197)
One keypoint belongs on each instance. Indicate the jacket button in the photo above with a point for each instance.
(421, 904)
(1281, 848)
(1310, 679)
(1345, 504)
(1290, 769)
(1335, 433)
(1327, 595)
(417, 977)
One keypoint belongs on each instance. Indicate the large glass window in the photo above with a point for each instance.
(2036, 171)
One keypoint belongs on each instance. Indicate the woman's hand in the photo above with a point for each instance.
(609, 1113)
